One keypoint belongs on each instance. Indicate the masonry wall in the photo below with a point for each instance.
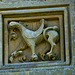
(52, 70)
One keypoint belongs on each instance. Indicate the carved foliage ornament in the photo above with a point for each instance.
(50, 35)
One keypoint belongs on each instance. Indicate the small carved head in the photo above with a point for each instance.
(13, 24)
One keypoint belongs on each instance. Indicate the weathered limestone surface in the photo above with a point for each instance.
(55, 70)
(0, 40)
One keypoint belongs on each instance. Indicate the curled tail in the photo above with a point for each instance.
(56, 28)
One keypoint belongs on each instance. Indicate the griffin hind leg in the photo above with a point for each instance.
(50, 53)
(53, 37)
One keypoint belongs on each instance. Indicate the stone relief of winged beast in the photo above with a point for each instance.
(29, 37)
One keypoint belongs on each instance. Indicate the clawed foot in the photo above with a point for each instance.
(22, 59)
(34, 57)
(51, 56)
(42, 55)
(11, 59)
(14, 55)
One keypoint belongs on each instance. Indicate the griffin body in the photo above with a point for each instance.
(28, 35)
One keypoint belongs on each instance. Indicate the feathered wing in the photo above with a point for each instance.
(33, 34)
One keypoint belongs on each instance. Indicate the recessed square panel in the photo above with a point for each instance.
(36, 36)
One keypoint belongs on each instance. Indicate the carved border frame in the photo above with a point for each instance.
(40, 64)
(60, 17)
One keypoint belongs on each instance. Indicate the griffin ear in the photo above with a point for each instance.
(56, 28)
(41, 20)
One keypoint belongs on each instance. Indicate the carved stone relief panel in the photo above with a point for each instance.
(35, 37)
(38, 46)
(43, 32)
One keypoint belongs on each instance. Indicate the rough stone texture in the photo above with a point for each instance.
(66, 70)
(6, 1)
(41, 72)
(0, 40)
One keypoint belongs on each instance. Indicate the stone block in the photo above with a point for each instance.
(22, 73)
(73, 72)
(73, 61)
(5, 4)
(19, 0)
(68, 72)
(57, 72)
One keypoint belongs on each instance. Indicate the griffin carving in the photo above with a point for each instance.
(29, 37)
